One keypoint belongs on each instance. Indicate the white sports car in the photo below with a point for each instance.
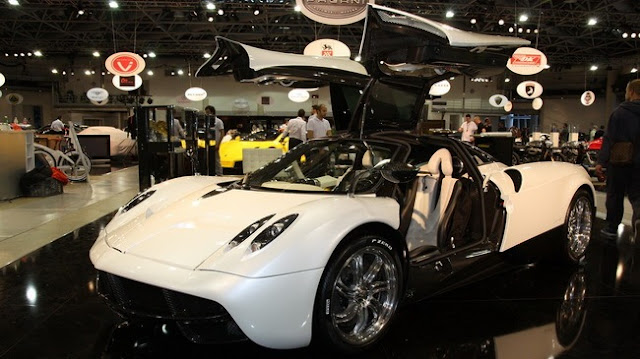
(327, 241)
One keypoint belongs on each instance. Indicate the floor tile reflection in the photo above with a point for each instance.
(533, 310)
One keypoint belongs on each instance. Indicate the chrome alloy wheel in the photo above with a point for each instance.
(579, 227)
(365, 295)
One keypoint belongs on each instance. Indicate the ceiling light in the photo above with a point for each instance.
(500, 22)
(625, 35)
(528, 31)
(64, 72)
(535, 31)
(96, 54)
(80, 12)
(6, 54)
(206, 55)
(29, 54)
(592, 21)
(54, 71)
(256, 11)
(73, 73)
(152, 54)
(507, 80)
(634, 70)
(520, 30)
(103, 73)
(16, 55)
(150, 73)
(633, 35)
(173, 73)
(210, 6)
(14, 2)
(593, 67)
(145, 55)
(297, 8)
(180, 72)
(358, 58)
(220, 12)
(210, 19)
(473, 21)
(87, 72)
(547, 66)
(449, 14)
(113, 4)
(451, 78)
(524, 17)
(22, 54)
(510, 29)
(37, 53)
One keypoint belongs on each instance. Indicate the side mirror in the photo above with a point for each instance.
(398, 172)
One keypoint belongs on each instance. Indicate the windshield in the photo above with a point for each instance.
(326, 166)
(269, 135)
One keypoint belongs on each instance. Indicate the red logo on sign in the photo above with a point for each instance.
(125, 64)
(524, 59)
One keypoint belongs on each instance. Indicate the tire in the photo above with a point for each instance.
(578, 226)
(358, 294)
(515, 159)
(558, 157)
(51, 160)
(75, 172)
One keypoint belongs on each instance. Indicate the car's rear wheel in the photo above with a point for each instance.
(358, 294)
(578, 225)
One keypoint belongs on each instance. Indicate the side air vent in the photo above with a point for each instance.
(516, 177)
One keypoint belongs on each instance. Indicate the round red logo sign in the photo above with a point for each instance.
(125, 64)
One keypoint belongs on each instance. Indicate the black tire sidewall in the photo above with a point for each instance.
(323, 331)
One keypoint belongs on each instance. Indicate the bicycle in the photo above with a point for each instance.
(73, 162)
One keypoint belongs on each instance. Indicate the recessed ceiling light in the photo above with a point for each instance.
(80, 12)
(634, 70)
(593, 67)
(473, 21)
(180, 72)
(206, 55)
(87, 72)
(96, 54)
(220, 12)
(211, 6)
(37, 53)
(29, 54)
(592, 21)
(113, 4)
(14, 2)
(450, 14)
(507, 80)
(210, 19)
(152, 54)
(54, 71)
(625, 35)
(150, 73)
(520, 30)
(524, 17)
(256, 12)
(145, 55)
(510, 29)
(500, 22)
(358, 58)
(633, 35)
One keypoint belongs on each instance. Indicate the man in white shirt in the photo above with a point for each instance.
(57, 126)
(297, 130)
(218, 128)
(318, 127)
(468, 128)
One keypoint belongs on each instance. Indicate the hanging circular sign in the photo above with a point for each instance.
(588, 98)
(529, 89)
(2, 79)
(0, 93)
(125, 64)
(327, 47)
(508, 106)
(498, 100)
(440, 88)
(527, 61)
(127, 83)
(97, 94)
(298, 95)
(334, 12)
(195, 94)
(14, 98)
(100, 103)
(537, 103)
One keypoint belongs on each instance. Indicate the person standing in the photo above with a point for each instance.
(318, 126)
(624, 126)
(218, 129)
(468, 128)
(297, 130)
(57, 126)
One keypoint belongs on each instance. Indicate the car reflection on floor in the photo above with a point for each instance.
(534, 310)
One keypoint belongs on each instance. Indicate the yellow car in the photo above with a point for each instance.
(231, 151)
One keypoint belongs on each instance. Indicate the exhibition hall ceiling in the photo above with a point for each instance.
(74, 28)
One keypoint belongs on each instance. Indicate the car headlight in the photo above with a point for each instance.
(137, 200)
(245, 233)
(270, 233)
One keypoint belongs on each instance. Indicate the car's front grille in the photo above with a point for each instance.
(200, 320)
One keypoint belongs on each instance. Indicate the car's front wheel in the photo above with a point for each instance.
(358, 294)
(578, 225)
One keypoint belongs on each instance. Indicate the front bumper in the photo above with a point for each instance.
(274, 312)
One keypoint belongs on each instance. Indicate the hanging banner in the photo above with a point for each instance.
(298, 95)
(537, 103)
(334, 12)
(440, 88)
(498, 100)
(2, 79)
(195, 94)
(327, 47)
(529, 89)
(125, 64)
(97, 94)
(527, 61)
(508, 106)
(588, 98)
(127, 83)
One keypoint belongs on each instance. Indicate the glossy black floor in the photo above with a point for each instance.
(49, 309)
